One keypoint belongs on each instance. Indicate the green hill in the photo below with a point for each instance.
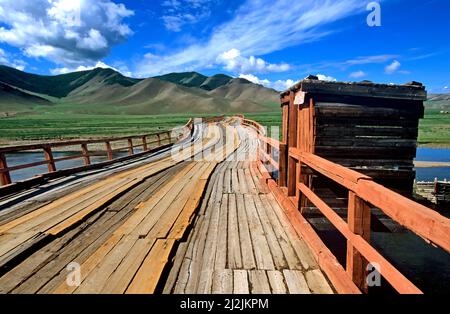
(105, 91)
(60, 85)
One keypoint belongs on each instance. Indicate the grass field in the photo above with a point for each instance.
(434, 129)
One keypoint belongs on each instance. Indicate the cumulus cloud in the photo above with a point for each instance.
(323, 77)
(279, 85)
(122, 69)
(257, 30)
(67, 32)
(6, 59)
(393, 67)
(233, 61)
(358, 74)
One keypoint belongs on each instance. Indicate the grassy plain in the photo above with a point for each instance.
(434, 128)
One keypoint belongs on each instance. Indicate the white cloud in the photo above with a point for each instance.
(66, 32)
(279, 85)
(322, 77)
(358, 74)
(233, 61)
(5, 59)
(258, 29)
(393, 67)
(178, 13)
(254, 79)
(124, 70)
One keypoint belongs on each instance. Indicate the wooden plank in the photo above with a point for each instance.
(301, 249)
(119, 280)
(276, 280)
(359, 214)
(240, 282)
(234, 246)
(222, 281)
(263, 256)
(205, 278)
(296, 282)
(259, 282)
(5, 177)
(272, 240)
(97, 279)
(243, 181)
(317, 282)
(221, 251)
(90, 264)
(281, 231)
(148, 275)
(248, 259)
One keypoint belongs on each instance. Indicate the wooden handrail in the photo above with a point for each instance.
(425, 222)
(85, 154)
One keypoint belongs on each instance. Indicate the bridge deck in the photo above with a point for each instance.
(243, 243)
(124, 229)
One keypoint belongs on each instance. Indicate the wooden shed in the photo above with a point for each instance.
(372, 128)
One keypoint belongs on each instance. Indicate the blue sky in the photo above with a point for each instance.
(270, 42)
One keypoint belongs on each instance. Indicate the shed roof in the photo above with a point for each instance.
(408, 91)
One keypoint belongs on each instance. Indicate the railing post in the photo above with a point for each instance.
(359, 214)
(144, 142)
(5, 177)
(292, 142)
(159, 139)
(282, 179)
(169, 136)
(49, 158)
(109, 152)
(130, 147)
(85, 152)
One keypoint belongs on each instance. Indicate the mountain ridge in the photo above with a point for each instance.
(106, 91)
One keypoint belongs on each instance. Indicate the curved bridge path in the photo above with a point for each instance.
(198, 220)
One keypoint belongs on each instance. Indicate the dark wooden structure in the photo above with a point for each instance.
(371, 128)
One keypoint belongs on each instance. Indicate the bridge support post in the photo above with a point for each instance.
(144, 143)
(292, 142)
(85, 152)
(159, 139)
(282, 179)
(130, 147)
(109, 152)
(49, 158)
(5, 177)
(359, 214)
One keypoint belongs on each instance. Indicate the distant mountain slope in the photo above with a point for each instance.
(59, 85)
(438, 97)
(241, 91)
(215, 81)
(104, 91)
(194, 79)
(15, 100)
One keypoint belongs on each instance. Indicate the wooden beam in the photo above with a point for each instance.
(109, 152)
(5, 178)
(358, 220)
(49, 158)
(86, 157)
(144, 142)
(292, 143)
(282, 174)
(130, 147)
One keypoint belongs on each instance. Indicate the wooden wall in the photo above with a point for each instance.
(375, 136)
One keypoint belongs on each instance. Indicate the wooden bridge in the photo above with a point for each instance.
(216, 207)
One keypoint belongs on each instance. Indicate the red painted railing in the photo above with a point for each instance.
(363, 195)
(146, 143)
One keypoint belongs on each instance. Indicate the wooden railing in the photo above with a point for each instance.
(363, 195)
(144, 142)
